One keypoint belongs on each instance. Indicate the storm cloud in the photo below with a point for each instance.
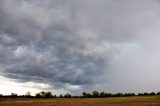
(78, 45)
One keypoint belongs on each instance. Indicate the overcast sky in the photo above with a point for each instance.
(79, 45)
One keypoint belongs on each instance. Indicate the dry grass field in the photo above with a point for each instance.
(117, 101)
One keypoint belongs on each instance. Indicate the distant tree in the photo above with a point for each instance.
(14, 95)
(84, 94)
(67, 95)
(118, 95)
(146, 94)
(158, 93)
(38, 95)
(102, 94)
(76, 96)
(152, 93)
(61, 96)
(108, 95)
(1, 95)
(48, 95)
(28, 94)
(43, 94)
(140, 94)
(89, 95)
(55, 96)
(129, 94)
(95, 94)
(133, 94)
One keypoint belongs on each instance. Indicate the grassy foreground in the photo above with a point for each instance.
(116, 101)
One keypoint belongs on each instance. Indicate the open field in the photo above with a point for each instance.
(116, 101)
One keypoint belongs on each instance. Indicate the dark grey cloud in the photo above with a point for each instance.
(40, 43)
(80, 45)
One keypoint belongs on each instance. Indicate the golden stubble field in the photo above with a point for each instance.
(117, 101)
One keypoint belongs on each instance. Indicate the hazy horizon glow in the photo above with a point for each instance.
(79, 45)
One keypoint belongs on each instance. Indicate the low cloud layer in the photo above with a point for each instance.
(81, 45)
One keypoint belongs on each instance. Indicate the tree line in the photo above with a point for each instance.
(94, 94)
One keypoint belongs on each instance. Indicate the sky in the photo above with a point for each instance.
(71, 46)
